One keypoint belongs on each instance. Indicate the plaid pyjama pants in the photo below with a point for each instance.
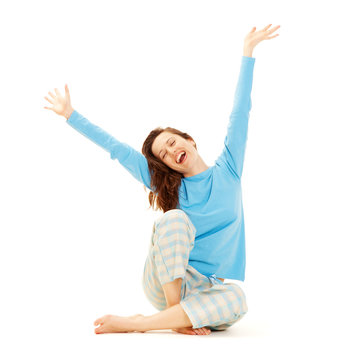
(206, 300)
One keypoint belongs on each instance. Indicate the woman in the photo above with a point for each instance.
(199, 240)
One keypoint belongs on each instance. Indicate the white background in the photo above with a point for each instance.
(75, 225)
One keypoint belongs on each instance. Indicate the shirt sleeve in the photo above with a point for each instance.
(132, 160)
(232, 156)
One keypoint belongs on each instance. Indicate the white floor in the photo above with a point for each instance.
(251, 338)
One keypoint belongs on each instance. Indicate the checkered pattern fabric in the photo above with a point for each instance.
(206, 300)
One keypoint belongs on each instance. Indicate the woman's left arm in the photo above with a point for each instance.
(255, 37)
(232, 156)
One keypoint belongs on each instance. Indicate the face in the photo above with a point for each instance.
(167, 147)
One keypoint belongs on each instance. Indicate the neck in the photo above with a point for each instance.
(197, 168)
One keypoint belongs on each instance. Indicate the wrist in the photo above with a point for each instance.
(68, 113)
(247, 51)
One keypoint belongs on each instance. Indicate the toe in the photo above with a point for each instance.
(98, 330)
(205, 331)
(99, 321)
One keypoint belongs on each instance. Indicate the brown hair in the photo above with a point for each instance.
(164, 180)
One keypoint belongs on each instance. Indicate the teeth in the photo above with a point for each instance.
(179, 157)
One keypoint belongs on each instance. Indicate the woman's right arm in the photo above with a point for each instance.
(132, 160)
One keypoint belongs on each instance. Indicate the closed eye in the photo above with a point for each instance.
(166, 153)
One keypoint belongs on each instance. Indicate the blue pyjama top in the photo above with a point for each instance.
(213, 198)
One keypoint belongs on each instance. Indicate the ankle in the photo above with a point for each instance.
(139, 323)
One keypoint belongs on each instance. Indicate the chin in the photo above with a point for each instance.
(178, 170)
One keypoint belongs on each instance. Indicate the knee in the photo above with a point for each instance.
(175, 220)
(237, 303)
(175, 216)
(173, 213)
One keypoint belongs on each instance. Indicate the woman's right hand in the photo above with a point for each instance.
(61, 105)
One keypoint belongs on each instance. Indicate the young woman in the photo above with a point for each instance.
(199, 240)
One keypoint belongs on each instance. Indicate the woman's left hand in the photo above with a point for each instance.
(255, 37)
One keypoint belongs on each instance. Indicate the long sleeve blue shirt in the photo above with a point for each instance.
(213, 198)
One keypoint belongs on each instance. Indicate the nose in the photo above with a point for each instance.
(172, 152)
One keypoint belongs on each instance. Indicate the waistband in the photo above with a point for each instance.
(214, 279)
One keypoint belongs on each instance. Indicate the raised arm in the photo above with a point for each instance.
(132, 160)
(232, 156)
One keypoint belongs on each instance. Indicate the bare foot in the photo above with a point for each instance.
(191, 331)
(113, 323)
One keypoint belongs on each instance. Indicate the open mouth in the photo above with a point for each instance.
(181, 157)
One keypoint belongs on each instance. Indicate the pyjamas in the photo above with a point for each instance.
(206, 233)
(212, 199)
(206, 300)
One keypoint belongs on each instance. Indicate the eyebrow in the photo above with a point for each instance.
(166, 143)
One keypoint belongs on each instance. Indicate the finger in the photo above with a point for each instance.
(272, 37)
(67, 92)
(57, 92)
(49, 108)
(253, 29)
(267, 27)
(49, 100)
(273, 29)
(51, 94)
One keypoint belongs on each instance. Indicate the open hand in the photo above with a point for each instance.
(61, 105)
(254, 37)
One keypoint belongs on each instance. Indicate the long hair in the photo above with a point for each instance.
(164, 181)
